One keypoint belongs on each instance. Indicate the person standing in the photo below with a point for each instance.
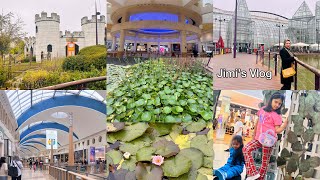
(18, 164)
(30, 164)
(3, 169)
(287, 60)
(265, 136)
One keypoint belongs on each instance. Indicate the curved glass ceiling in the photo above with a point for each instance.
(22, 100)
(154, 16)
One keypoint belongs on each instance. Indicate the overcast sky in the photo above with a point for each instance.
(283, 7)
(70, 11)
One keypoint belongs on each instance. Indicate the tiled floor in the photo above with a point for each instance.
(244, 62)
(38, 175)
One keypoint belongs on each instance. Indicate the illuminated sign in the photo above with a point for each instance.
(51, 138)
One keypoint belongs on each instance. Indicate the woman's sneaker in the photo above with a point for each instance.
(253, 177)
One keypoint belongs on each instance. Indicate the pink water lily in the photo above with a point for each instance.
(157, 160)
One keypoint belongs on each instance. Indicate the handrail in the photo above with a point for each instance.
(63, 174)
(81, 176)
(74, 83)
(312, 69)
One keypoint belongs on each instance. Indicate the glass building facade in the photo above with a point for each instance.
(255, 28)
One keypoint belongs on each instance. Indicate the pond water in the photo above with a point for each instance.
(305, 77)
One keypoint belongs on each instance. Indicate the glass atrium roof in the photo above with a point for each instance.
(22, 100)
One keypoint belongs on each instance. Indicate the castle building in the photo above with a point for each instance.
(51, 43)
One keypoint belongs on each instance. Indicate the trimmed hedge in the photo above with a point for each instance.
(92, 57)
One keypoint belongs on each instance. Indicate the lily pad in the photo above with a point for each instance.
(196, 126)
(133, 146)
(162, 129)
(131, 132)
(115, 127)
(145, 154)
(201, 142)
(208, 162)
(195, 155)
(166, 148)
(129, 164)
(176, 166)
(116, 156)
(148, 172)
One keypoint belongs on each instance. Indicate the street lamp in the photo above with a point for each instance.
(220, 21)
(235, 31)
(279, 26)
(317, 38)
(97, 13)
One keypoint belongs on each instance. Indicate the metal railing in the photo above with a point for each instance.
(80, 84)
(275, 65)
(64, 174)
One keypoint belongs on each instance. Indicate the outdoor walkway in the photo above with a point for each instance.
(28, 174)
(244, 62)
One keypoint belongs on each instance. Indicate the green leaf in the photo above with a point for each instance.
(167, 110)
(146, 116)
(140, 102)
(195, 155)
(147, 172)
(130, 133)
(186, 118)
(146, 96)
(145, 154)
(176, 166)
(196, 126)
(201, 142)
(166, 148)
(191, 101)
(182, 102)
(116, 156)
(292, 137)
(207, 115)
(170, 119)
(110, 110)
(129, 164)
(179, 109)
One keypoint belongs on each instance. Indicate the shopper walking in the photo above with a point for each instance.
(3, 169)
(17, 164)
(238, 128)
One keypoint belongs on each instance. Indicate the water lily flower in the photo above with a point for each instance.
(126, 155)
(157, 160)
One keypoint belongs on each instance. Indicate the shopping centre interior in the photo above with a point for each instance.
(149, 28)
(61, 128)
(256, 27)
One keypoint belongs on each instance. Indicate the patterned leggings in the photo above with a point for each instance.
(251, 168)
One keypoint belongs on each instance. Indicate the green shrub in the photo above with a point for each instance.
(3, 76)
(93, 50)
(88, 58)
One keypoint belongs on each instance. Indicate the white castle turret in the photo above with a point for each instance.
(89, 30)
(47, 36)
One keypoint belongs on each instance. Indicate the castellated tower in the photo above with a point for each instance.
(89, 30)
(47, 36)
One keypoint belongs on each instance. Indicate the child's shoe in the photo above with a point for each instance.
(220, 174)
(253, 177)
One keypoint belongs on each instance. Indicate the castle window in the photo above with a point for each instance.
(49, 48)
(36, 29)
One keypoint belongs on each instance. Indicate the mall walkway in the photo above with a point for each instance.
(244, 62)
(28, 174)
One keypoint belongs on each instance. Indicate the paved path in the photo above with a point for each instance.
(245, 62)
